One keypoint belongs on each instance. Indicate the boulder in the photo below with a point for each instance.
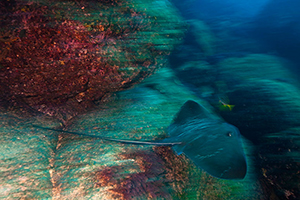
(59, 57)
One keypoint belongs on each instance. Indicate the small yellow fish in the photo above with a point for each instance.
(224, 106)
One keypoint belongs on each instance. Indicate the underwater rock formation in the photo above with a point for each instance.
(203, 36)
(59, 57)
(66, 166)
(261, 88)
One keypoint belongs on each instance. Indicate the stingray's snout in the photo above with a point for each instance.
(238, 168)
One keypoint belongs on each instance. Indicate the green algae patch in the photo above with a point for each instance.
(26, 158)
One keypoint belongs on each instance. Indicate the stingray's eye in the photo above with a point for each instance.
(229, 134)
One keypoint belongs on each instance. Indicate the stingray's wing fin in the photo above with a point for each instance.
(190, 109)
(222, 162)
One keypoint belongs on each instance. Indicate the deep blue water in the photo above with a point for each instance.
(274, 24)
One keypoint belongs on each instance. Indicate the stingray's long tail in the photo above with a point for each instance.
(157, 143)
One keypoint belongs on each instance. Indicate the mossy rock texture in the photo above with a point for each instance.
(264, 92)
(58, 57)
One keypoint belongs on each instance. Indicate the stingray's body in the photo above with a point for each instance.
(212, 144)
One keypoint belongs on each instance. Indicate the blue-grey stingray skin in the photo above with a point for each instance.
(212, 144)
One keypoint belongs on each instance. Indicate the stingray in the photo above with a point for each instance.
(212, 144)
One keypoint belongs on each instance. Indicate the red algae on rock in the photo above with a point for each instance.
(159, 174)
(148, 181)
(59, 62)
